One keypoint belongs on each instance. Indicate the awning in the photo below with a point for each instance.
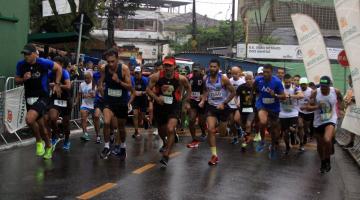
(54, 38)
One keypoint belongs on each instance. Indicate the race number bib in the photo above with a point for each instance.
(114, 93)
(195, 95)
(287, 105)
(60, 103)
(247, 110)
(168, 100)
(326, 111)
(268, 100)
(215, 94)
(31, 100)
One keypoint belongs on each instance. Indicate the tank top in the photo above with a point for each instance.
(327, 108)
(217, 94)
(168, 89)
(288, 107)
(236, 84)
(197, 84)
(114, 93)
(304, 101)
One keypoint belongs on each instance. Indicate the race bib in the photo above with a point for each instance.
(114, 93)
(232, 102)
(60, 103)
(268, 100)
(215, 94)
(167, 99)
(247, 110)
(195, 95)
(31, 100)
(287, 105)
(325, 112)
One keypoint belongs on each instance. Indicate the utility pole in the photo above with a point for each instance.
(193, 40)
(232, 28)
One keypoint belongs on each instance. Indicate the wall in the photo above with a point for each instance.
(13, 35)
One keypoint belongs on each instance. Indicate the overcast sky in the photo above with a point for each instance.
(218, 9)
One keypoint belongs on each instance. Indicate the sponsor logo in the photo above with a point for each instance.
(9, 116)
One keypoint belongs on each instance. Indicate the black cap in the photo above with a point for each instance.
(28, 49)
(325, 81)
(196, 67)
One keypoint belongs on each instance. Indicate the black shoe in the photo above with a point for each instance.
(322, 167)
(164, 161)
(176, 138)
(105, 153)
(122, 154)
(327, 166)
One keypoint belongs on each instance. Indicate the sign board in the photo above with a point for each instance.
(62, 7)
(342, 59)
(15, 109)
(281, 52)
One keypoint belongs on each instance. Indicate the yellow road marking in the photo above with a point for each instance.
(174, 154)
(96, 191)
(144, 168)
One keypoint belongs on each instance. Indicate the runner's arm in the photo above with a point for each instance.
(230, 88)
(340, 99)
(185, 83)
(150, 88)
(298, 95)
(312, 106)
(127, 81)
(101, 80)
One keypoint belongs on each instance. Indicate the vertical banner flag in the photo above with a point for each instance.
(313, 47)
(351, 119)
(348, 16)
(15, 109)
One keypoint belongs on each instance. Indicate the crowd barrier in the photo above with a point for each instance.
(343, 137)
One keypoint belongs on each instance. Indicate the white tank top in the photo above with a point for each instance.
(304, 101)
(236, 84)
(288, 107)
(327, 111)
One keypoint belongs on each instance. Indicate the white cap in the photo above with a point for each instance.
(137, 69)
(260, 70)
(303, 80)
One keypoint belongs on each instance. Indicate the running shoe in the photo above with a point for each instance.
(48, 153)
(272, 154)
(116, 150)
(257, 137)
(327, 166)
(66, 145)
(54, 142)
(213, 160)
(40, 150)
(260, 147)
(122, 153)
(177, 139)
(235, 140)
(202, 138)
(156, 132)
(85, 137)
(98, 140)
(302, 148)
(105, 153)
(243, 145)
(162, 149)
(193, 144)
(164, 161)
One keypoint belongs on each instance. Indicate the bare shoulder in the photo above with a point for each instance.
(225, 79)
(125, 68)
(154, 77)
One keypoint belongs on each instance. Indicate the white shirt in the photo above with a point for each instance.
(236, 84)
(304, 101)
(87, 89)
(288, 107)
(327, 111)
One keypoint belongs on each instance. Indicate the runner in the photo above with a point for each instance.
(195, 112)
(169, 85)
(98, 105)
(306, 118)
(245, 115)
(280, 73)
(236, 80)
(218, 92)
(60, 107)
(324, 104)
(116, 97)
(289, 113)
(33, 73)
(296, 81)
(270, 90)
(139, 100)
(157, 67)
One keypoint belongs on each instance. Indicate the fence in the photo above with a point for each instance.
(343, 137)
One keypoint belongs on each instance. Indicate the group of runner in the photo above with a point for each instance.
(243, 105)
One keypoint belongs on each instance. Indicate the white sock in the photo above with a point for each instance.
(107, 145)
(123, 145)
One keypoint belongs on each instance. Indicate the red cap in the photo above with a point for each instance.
(169, 61)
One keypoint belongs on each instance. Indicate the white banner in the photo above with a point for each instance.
(281, 52)
(15, 109)
(62, 7)
(351, 120)
(348, 16)
(312, 46)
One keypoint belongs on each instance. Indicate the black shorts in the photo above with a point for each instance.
(320, 130)
(99, 104)
(162, 113)
(272, 116)
(221, 115)
(286, 123)
(247, 117)
(307, 117)
(195, 105)
(119, 110)
(40, 106)
(63, 111)
(140, 103)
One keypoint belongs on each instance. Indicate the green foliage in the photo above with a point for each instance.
(217, 36)
(268, 40)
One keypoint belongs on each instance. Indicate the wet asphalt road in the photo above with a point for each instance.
(81, 174)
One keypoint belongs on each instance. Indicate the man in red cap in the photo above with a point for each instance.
(168, 85)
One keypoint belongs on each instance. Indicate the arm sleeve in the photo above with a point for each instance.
(66, 75)
(46, 64)
(279, 88)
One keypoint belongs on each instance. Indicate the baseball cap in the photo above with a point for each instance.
(28, 49)
(196, 67)
(260, 70)
(303, 80)
(137, 69)
(325, 81)
(169, 61)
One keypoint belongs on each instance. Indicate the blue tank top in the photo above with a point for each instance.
(114, 93)
(217, 94)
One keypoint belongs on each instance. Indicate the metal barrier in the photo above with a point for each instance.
(343, 137)
(2, 106)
